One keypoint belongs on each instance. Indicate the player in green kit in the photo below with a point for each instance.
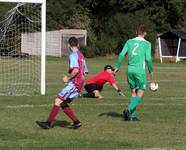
(139, 54)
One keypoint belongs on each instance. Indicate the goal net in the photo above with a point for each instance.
(22, 73)
(172, 45)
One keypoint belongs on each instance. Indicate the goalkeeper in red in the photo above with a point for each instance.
(139, 54)
(94, 85)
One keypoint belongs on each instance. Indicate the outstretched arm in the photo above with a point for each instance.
(117, 89)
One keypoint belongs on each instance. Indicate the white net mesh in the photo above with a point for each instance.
(169, 47)
(20, 71)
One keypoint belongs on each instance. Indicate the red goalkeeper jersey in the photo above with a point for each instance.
(100, 79)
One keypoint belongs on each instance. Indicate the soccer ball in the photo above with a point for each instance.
(153, 86)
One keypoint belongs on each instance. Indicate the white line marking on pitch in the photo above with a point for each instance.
(102, 104)
(109, 104)
(28, 106)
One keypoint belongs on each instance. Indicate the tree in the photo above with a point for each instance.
(110, 22)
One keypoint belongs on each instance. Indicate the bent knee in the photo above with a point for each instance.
(97, 94)
(58, 101)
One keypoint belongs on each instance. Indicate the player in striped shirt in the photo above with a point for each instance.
(74, 82)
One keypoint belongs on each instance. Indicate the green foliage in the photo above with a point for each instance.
(106, 45)
(111, 22)
(177, 13)
(88, 51)
(167, 14)
(124, 26)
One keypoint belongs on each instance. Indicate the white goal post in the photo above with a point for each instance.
(42, 67)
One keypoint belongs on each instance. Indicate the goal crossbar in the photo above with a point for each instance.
(24, 1)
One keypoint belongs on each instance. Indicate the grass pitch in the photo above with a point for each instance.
(162, 114)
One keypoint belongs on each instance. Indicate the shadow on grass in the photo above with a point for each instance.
(112, 114)
(62, 123)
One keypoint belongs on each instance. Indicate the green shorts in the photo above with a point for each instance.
(136, 80)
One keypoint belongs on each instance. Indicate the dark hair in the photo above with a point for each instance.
(141, 29)
(108, 67)
(73, 41)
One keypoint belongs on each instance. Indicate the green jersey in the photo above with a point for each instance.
(139, 52)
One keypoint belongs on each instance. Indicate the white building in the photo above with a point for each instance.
(56, 41)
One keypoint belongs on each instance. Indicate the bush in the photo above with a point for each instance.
(106, 45)
(123, 26)
(89, 52)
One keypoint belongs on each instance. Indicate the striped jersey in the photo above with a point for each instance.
(77, 60)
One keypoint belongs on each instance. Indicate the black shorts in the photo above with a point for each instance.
(92, 87)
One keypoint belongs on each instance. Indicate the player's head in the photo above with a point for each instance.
(109, 68)
(73, 43)
(141, 30)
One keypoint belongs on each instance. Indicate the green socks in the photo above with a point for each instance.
(134, 101)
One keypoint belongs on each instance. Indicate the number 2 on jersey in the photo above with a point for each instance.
(136, 45)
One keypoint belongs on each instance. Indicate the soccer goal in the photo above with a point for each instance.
(172, 45)
(22, 73)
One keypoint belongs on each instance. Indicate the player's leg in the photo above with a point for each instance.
(59, 100)
(131, 82)
(141, 85)
(69, 112)
(92, 91)
(72, 92)
(89, 88)
(131, 107)
(54, 110)
(133, 113)
(132, 98)
(63, 95)
(130, 111)
(53, 113)
(88, 95)
(97, 94)
(136, 101)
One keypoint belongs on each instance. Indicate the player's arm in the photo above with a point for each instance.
(71, 75)
(121, 57)
(149, 60)
(74, 68)
(114, 85)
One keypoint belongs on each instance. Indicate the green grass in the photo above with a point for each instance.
(162, 114)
